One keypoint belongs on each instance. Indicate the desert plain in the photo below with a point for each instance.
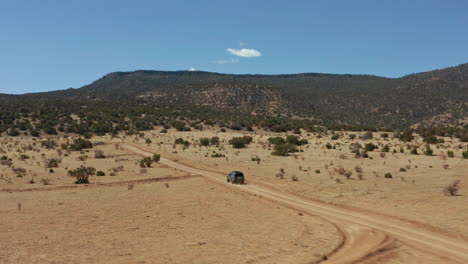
(322, 203)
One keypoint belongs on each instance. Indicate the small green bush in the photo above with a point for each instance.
(82, 174)
(465, 154)
(204, 141)
(80, 144)
(369, 147)
(146, 162)
(388, 175)
(450, 154)
(386, 148)
(240, 142)
(284, 149)
(428, 151)
(214, 141)
(100, 173)
(156, 157)
(276, 140)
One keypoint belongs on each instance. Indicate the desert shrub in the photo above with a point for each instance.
(329, 146)
(156, 157)
(335, 137)
(450, 154)
(428, 151)
(44, 181)
(148, 141)
(369, 147)
(24, 157)
(414, 151)
(317, 171)
(276, 140)
(99, 154)
(284, 149)
(402, 169)
(430, 139)
(358, 169)
(51, 171)
(163, 131)
(240, 142)
(146, 162)
(214, 141)
(388, 175)
(80, 144)
(181, 141)
(49, 144)
(382, 154)
(386, 148)
(368, 135)
(340, 170)
(354, 147)
(35, 133)
(465, 154)
(100, 173)
(255, 158)
(204, 141)
(20, 172)
(295, 140)
(360, 176)
(406, 135)
(294, 178)
(82, 174)
(52, 163)
(352, 136)
(384, 135)
(12, 132)
(217, 155)
(453, 188)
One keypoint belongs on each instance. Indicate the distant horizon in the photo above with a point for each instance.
(297, 73)
(55, 44)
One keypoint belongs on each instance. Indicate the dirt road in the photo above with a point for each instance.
(368, 237)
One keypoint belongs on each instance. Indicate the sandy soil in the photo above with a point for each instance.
(197, 222)
(160, 216)
(415, 194)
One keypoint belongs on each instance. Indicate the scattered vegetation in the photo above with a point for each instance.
(453, 188)
(146, 162)
(82, 174)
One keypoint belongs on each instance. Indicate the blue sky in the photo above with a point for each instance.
(49, 45)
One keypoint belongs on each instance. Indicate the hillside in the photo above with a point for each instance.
(438, 97)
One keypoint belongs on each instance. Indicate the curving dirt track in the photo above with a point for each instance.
(368, 237)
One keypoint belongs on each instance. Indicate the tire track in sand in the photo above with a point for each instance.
(366, 235)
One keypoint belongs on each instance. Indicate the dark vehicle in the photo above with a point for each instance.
(235, 177)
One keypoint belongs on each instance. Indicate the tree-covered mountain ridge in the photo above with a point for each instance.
(435, 98)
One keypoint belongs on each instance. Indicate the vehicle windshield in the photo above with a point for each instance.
(238, 174)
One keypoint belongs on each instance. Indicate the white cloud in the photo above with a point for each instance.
(233, 60)
(247, 53)
(192, 69)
